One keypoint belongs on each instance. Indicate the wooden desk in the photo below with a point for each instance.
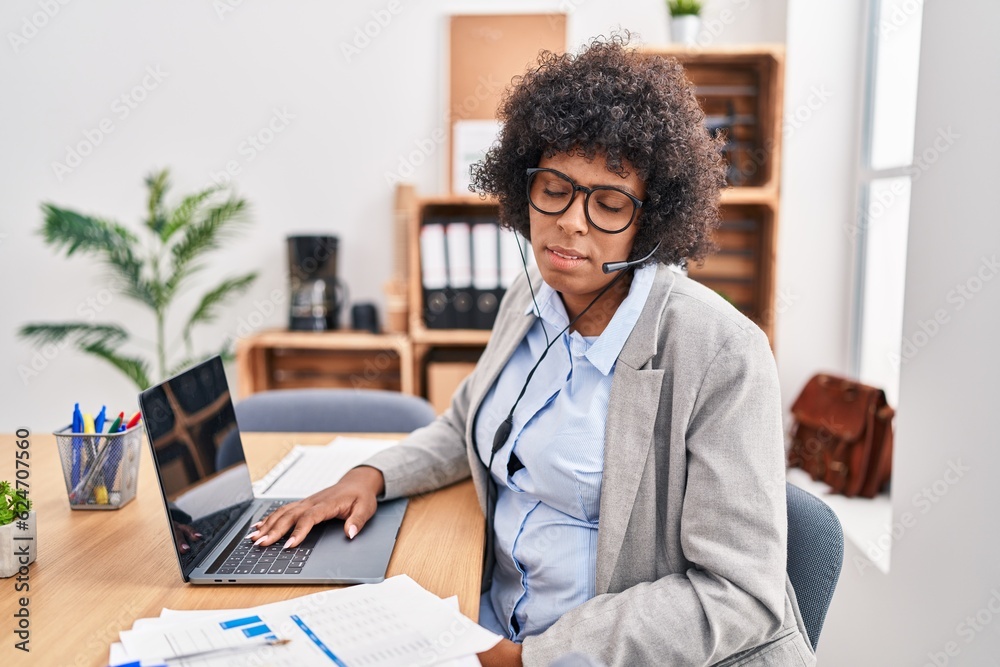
(80, 599)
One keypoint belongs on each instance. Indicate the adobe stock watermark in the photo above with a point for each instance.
(256, 318)
(223, 7)
(121, 108)
(964, 292)
(758, 157)
(87, 311)
(425, 147)
(922, 503)
(252, 146)
(899, 15)
(712, 27)
(365, 34)
(968, 629)
(32, 25)
(887, 198)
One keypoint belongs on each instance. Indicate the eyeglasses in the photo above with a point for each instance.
(607, 208)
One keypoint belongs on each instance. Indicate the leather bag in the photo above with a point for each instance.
(842, 435)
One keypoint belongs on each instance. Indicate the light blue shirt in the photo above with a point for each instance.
(547, 513)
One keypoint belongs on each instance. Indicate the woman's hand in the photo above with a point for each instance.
(504, 654)
(351, 499)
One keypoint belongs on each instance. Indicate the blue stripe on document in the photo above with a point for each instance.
(256, 630)
(319, 643)
(238, 622)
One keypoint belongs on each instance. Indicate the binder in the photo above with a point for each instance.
(510, 257)
(486, 273)
(434, 276)
(459, 249)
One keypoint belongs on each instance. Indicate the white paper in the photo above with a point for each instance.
(311, 468)
(171, 618)
(472, 139)
(392, 623)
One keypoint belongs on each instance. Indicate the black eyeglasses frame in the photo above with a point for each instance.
(531, 171)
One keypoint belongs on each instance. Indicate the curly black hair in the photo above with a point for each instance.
(637, 109)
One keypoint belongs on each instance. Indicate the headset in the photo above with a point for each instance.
(503, 431)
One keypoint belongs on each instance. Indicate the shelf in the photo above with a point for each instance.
(333, 340)
(281, 359)
(456, 337)
(749, 195)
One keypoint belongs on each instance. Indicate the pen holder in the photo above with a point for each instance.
(101, 469)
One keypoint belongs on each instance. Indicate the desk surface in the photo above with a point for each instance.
(78, 604)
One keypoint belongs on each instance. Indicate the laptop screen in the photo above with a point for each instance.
(198, 457)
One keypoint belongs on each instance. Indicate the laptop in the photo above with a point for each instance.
(205, 486)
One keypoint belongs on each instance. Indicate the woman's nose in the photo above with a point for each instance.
(574, 219)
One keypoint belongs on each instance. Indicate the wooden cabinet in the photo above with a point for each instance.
(299, 359)
(741, 90)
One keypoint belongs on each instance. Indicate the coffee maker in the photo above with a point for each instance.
(317, 295)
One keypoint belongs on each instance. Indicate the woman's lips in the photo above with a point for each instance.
(563, 258)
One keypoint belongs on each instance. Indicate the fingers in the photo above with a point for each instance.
(302, 517)
(276, 524)
(362, 510)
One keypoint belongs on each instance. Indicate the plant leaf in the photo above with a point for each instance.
(158, 184)
(185, 212)
(212, 301)
(63, 228)
(135, 369)
(112, 242)
(81, 332)
(200, 237)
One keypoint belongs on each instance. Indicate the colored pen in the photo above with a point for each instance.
(99, 420)
(115, 455)
(88, 427)
(77, 445)
(135, 420)
(116, 423)
(226, 650)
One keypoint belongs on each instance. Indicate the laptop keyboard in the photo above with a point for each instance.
(241, 557)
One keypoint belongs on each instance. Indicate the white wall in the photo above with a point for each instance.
(824, 51)
(223, 75)
(940, 603)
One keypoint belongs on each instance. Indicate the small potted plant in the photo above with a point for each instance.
(685, 20)
(18, 538)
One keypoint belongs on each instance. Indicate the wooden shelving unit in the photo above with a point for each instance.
(279, 359)
(441, 357)
(740, 89)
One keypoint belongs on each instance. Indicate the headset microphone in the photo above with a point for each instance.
(611, 267)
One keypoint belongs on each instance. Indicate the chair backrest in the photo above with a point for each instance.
(328, 410)
(334, 410)
(815, 556)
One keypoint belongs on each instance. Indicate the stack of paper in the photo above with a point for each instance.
(311, 468)
(395, 622)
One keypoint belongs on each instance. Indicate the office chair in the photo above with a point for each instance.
(331, 410)
(815, 556)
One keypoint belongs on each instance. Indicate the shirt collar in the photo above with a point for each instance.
(604, 351)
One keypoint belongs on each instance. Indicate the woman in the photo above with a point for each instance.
(630, 419)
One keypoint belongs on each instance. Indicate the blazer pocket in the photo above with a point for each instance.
(779, 652)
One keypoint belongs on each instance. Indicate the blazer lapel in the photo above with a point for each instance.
(635, 393)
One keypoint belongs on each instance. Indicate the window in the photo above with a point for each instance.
(887, 171)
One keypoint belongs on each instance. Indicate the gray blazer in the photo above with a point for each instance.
(691, 542)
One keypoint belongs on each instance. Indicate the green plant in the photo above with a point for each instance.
(11, 504)
(685, 7)
(154, 273)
